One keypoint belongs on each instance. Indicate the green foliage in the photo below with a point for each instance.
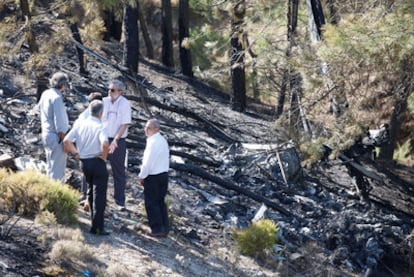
(411, 103)
(201, 5)
(256, 238)
(62, 201)
(403, 152)
(29, 193)
(206, 8)
(364, 58)
(207, 45)
(312, 151)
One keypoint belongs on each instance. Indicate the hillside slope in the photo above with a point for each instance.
(218, 156)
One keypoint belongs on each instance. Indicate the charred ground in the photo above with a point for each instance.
(224, 166)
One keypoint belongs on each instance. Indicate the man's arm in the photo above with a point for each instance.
(114, 143)
(61, 118)
(105, 151)
(69, 147)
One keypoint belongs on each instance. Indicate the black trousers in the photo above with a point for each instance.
(155, 190)
(96, 175)
(117, 160)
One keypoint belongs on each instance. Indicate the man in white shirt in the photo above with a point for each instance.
(116, 118)
(55, 123)
(154, 177)
(92, 149)
(86, 113)
(82, 116)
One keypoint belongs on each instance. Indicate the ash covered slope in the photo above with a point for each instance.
(218, 156)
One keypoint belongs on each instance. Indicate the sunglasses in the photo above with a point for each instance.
(113, 90)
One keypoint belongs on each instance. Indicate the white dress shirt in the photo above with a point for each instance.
(89, 137)
(116, 114)
(156, 157)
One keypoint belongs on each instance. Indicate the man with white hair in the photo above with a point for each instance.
(117, 118)
(55, 124)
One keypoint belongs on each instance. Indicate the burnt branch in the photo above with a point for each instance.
(229, 185)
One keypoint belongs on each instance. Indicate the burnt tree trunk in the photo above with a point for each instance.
(183, 33)
(400, 107)
(24, 6)
(76, 36)
(42, 81)
(318, 16)
(131, 43)
(145, 34)
(167, 49)
(113, 26)
(292, 21)
(238, 77)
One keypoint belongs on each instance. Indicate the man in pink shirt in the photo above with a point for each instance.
(116, 118)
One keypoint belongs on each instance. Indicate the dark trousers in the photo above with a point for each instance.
(155, 190)
(96, 175)
(84, 185)
(117, 160)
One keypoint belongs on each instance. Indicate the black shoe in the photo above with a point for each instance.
(158, 235)
(100, 233)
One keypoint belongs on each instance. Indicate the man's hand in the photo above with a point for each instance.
(113, 146)
(141, 181)
(76, 156)
(101, 157)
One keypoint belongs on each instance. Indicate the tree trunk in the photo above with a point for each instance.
(238, 78)
(318, 16)
(167, 49)
(400, 107)
(183, 33)
(292, 22)
(333, 12)
(131, 43)
(145, 34)
(282, 94)
(42, 81)
(113, 26)
(24, 6)
(76, 36)
(316, 19)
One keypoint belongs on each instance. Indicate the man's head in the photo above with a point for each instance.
(96, 108)
(94, 96)
(116, 88)
(59, 80)
(152, 127)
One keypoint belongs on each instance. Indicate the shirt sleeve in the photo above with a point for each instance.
(61, 117)
(145, 166)
(103, 135)
(72, 135)
(126, 112)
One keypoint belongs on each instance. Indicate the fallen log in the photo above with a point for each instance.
(229, 185)
(136, 145)
(360, 168)
(7, 161)
(356, 165)
(140, 82)
(211, 126)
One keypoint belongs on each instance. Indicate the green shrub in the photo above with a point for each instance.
(29, 193)
(312, 152)
(402, 153)
(256, 238)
